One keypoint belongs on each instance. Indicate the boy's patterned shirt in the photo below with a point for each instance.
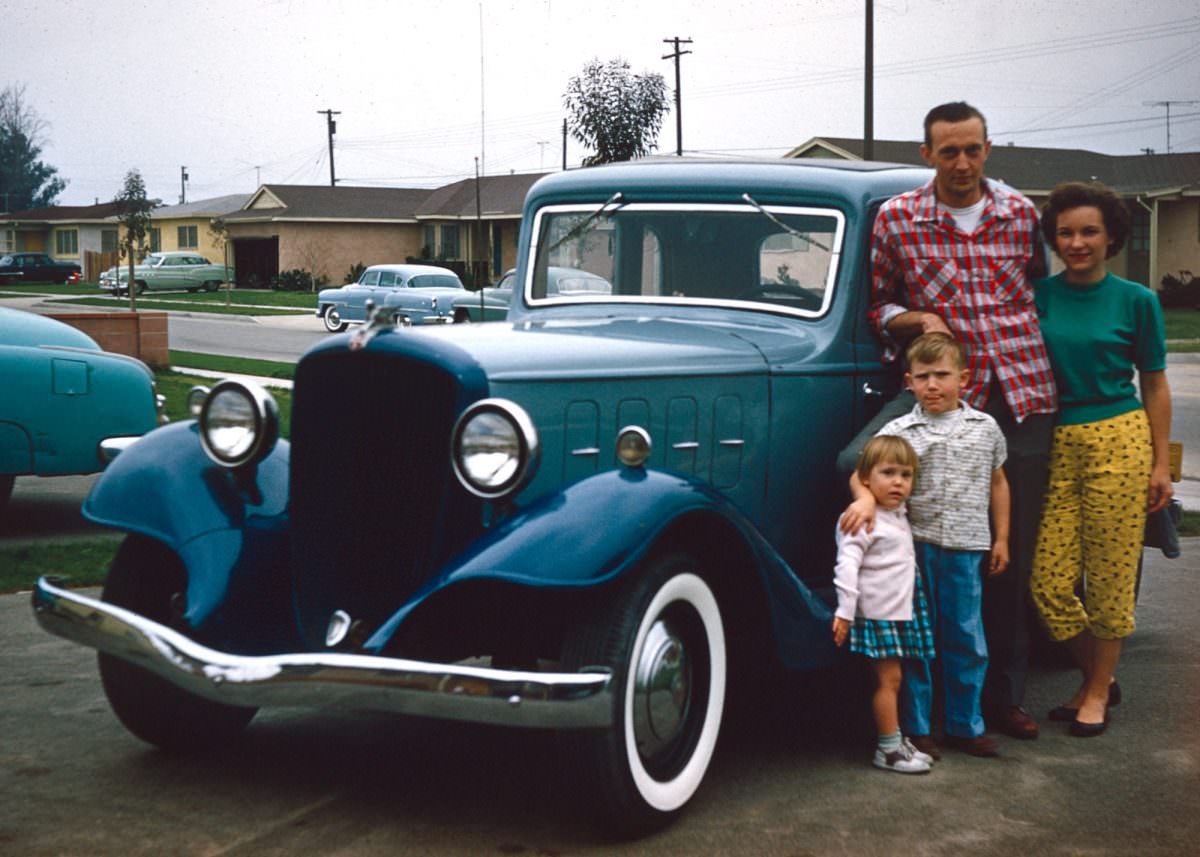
(951, 499)
(977, 283)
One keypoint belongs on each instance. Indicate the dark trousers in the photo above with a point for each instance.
(1007, 612)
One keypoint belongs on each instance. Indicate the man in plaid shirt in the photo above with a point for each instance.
(958, 256)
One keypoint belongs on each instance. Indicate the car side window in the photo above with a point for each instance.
(370, 278)
(387, 278)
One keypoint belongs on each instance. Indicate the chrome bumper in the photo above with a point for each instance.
(451, 691)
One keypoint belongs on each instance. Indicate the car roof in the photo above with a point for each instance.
(22, 328)
(663, 178)
(413, 270)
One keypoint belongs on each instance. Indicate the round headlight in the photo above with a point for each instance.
(633, 446)
(195, 400)
(239, 423)
(494, 448)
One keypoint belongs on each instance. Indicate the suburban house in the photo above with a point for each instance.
(328, 230)
(189, 226)
(66, 232)
(1161, 191)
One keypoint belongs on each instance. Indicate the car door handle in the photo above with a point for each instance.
(870, 392)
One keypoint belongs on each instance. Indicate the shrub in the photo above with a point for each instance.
(1180, 290)
(295, 280)
(355, 272)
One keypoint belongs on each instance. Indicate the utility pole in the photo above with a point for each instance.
(1167, 104)
(869, 86)
(183, 177)
(564, 145)
(678, 100)
(480, 273)
(332, 128)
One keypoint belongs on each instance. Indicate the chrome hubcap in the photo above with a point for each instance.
(662, 689)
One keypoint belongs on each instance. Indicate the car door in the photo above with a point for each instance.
(358, 294)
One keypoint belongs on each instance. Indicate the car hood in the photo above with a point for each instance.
(577, 349)
(30, 330)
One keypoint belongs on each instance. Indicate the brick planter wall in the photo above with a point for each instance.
(138, 334)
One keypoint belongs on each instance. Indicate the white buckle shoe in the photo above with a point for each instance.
(902, 760)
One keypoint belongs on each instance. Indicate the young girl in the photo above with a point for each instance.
(880, 608)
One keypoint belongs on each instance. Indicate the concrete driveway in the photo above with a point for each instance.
(790, 778)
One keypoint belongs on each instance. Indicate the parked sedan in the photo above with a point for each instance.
(420, 294)
(492, 303)
(173, 271)
(36, 268)
(66, 406)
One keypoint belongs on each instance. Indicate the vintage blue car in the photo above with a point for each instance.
(491, 303)
(603, 517)
(420, 294)
(65, 406)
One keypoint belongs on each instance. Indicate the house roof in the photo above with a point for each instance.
(499, 196)
(1033, 168)
(65, 213)
(216, 206)
(321, 202)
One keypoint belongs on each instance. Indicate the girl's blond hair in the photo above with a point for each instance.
(886, 448)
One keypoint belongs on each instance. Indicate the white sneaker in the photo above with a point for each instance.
(902, 761)
(914, 752)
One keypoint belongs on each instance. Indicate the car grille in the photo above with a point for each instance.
(374, 506)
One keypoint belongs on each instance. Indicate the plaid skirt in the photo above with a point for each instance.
(893, 638)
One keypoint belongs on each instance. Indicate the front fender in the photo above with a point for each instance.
(597, 529)
(228, 526)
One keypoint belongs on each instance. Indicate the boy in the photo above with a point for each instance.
(961, 479)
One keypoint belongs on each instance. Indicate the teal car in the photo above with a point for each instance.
(605, 518)
(177, 271)
(66, 407)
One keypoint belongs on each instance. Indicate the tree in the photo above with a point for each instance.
(25, 182)
(134, 214)
(617, 113)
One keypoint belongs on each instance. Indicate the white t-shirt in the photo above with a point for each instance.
(965, 218)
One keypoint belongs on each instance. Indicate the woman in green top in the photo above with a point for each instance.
(1109, 463)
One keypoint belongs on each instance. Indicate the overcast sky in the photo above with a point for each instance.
(231, 89)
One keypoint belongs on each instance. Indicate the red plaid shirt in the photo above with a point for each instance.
(977, 283)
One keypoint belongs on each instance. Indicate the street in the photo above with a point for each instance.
(792, 777)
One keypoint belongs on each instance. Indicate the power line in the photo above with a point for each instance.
(1167, 104)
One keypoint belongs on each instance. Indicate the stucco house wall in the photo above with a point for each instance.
(1179, 236)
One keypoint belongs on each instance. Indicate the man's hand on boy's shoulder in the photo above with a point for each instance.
(998, 561)
(858, 514)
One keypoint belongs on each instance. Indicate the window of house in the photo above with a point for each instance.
(66, 242)
(108, 240)
(188, 237)
(8, 241)
(1139, 234)
(429, 248)
(449, 241)
(155, 239)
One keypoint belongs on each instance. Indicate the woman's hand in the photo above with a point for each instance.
(841, 628)
(1161, 490)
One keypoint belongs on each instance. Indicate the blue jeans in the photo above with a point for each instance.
(954, 581)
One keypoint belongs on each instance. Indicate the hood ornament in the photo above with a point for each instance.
(378, 320)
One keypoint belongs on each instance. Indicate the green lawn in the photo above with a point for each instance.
(239, 365)
(188, 304)
(1183, 329)
(82, 563)
(237, 297)
(175, 386)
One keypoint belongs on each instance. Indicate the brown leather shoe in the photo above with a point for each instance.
(926, 745)
(980, 745)
(1016, 722)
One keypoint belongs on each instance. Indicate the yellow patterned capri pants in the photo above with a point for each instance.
(1092, 527)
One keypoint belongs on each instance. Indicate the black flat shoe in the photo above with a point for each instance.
(1067, 714)
(1089, 730)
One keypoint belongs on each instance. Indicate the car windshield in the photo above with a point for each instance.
(429, 281)
(152, 260)
(783, 256)
(6, 260)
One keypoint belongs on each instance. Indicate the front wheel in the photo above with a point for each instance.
(140, 287)
(333, 320)
(663, 638)
(211, 286)
(462, 316)
(147, 578)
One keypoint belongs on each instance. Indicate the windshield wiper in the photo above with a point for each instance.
(578, 229)
(803, 236)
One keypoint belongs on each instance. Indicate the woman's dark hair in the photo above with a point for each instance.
(1070, 195)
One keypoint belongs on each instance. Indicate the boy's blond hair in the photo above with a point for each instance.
(886, 448)
(931, 347)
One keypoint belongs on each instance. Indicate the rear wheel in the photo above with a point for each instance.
(462, 316)
(663, 639)
(211, 286)
(333, 320)
(146, 577)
